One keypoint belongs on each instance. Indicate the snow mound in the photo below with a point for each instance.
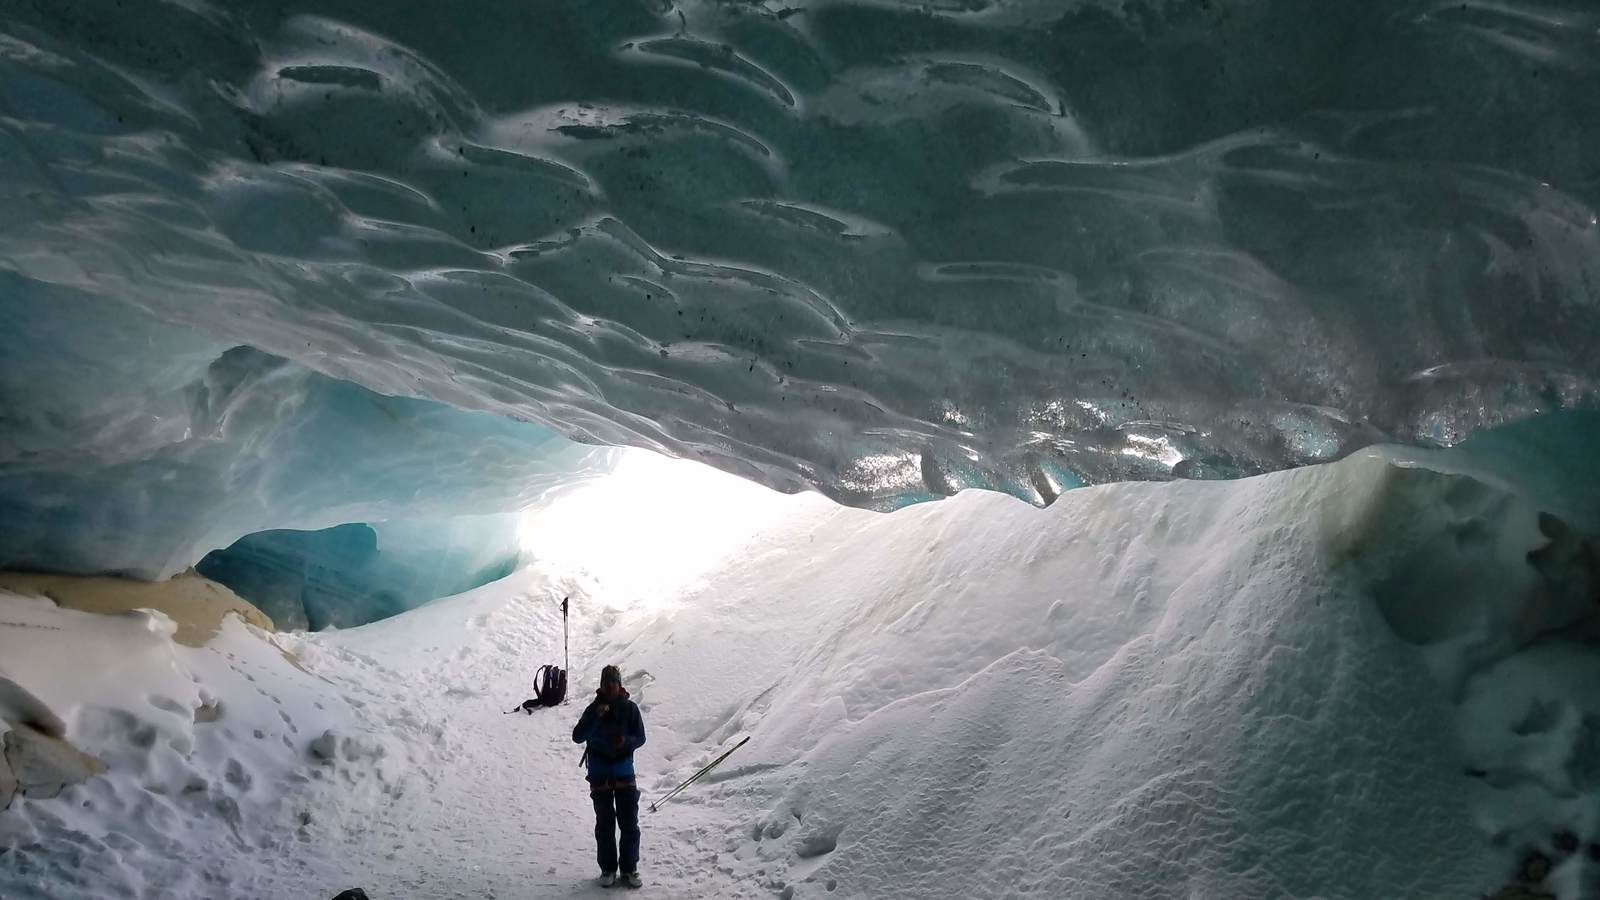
(206, 755)
(1264, 689)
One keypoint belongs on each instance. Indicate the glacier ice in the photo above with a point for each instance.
(136, 449)
(1550, 459)
(883, 248)
(356, 573)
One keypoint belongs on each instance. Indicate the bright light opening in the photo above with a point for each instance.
(647, 533)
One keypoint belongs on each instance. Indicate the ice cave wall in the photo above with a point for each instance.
(885, 249)
(136, 448)
(356, 573)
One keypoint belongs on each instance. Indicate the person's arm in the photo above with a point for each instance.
(587, 723)
(635, 738)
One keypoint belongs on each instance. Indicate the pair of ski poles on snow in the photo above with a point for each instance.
(696, 776)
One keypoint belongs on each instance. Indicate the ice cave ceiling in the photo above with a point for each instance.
(883, 249)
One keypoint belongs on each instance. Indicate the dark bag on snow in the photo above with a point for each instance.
(549, 689)
(550, 685)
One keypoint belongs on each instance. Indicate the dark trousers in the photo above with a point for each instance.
(616, 807)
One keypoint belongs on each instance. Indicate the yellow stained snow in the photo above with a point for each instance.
(196, 603)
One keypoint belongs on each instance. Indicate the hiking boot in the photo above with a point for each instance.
(607, 879)
(632, 879)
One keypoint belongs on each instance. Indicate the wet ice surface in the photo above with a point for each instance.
(888, 249)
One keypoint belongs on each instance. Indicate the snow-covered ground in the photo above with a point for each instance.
(1359, 680)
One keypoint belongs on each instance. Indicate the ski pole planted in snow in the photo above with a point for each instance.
(566, 650)
(696, 776)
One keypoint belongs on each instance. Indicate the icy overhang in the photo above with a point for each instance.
(885, 249)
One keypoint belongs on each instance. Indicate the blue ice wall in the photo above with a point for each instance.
(1552, 459)
(133, 446)
(885, 248)
(357, 573)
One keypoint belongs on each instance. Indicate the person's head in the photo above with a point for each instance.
(611, 682)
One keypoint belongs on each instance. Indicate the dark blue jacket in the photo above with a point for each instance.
(607, 758)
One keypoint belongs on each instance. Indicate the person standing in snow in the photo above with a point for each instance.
(612, 728)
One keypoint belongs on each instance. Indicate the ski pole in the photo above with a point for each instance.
(566, 650)
(696, 776)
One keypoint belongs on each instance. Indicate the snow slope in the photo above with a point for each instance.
(1207, 689)
(1367, 679)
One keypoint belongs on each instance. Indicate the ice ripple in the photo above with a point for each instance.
(887, 250)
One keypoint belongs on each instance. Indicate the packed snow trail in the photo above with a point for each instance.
(505, 811)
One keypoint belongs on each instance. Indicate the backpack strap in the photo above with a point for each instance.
(541, 683)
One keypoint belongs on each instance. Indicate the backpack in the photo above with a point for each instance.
(550, 685)
(550, 681)
(549, 689)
